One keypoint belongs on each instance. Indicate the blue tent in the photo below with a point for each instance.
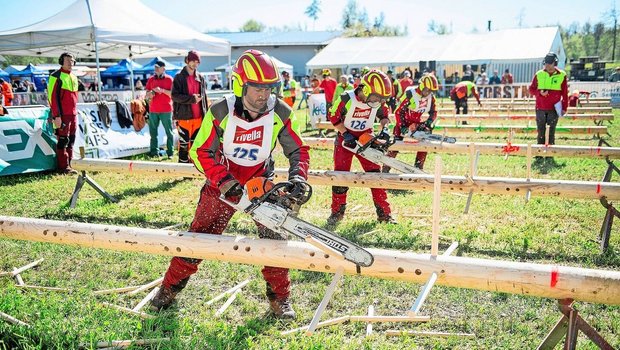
(4, 75)
(35, 74)
(121, 69)
(149, 68)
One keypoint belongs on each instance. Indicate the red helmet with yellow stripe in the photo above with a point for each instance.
(376, 82)
(254, 68)
(429, 81)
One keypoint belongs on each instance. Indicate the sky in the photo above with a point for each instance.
(460, 15)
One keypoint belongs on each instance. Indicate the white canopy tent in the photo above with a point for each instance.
(109, 29)
(502, 48)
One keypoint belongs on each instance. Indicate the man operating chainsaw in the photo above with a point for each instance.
(414, 103)
(353, 114)
(234, 146)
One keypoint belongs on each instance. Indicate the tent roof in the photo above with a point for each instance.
(150, 66)
(30, 70)
(116, 24)
(121, 68)
(510, 44)
(3, 74)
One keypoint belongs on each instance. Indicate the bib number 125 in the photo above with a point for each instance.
(243, 153)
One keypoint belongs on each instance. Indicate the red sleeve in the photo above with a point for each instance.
(564, 95)
(336, 117)
(475, 93)
(398, 115)
(432, 113)
(534, 87)
(149, 84)
(54, 99)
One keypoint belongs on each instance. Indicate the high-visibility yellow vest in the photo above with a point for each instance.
(550, 82)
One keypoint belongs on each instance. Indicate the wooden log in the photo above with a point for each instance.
(118, 344)
(365, 318)
(26, 267)
(13, 320)
(542, 280)
(329, 322)
(502, 129)
(371, 312)
(523, 109)
(49, 289)
(481, 118)
(411, 145)
(488, 185)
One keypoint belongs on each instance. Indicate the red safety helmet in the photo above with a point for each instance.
(429, 81)
(254, 68)
(376, 82)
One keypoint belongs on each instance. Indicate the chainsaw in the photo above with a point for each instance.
(426, 136)
(374, 149)
(273, 205)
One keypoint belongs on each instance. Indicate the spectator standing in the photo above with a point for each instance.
(404, 83)
(62, 97)
(159, 91)
(495, 79)
(216, 85)
(328, 85)
(550, 88)
(468, 74)
(305, 91)
(507, 77)
(615, 76)
(190, 103)
(343, 86)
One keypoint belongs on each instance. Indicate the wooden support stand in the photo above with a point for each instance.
(568, 326)
(82, 179)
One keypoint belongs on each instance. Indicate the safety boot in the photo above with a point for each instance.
(282, 308)
(165, 296)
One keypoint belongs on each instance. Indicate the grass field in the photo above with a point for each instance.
(546, 230)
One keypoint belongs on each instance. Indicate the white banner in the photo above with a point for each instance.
(113, 142)
(317, 109)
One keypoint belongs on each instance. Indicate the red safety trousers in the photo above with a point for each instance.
(342, 162)
(212, 216)
(66, 138)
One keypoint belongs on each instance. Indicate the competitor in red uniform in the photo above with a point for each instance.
(415, 102)
(234, 145)
(353, 114)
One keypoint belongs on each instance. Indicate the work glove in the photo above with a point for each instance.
(427, 126)
(349, 140)
(230, 188)
(384, 134)
(300, 190)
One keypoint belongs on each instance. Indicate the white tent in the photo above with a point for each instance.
(520, 49)
(115, 26)
(109, 29)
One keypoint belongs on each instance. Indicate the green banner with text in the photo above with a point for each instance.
(28, 142)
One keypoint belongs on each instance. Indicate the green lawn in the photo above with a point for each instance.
(546, 230)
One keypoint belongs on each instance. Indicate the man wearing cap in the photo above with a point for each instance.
(342, 87)
(328, 85)
(189, 97)
(468, 74)
(159, 91)
(615, 76)
(550, 88)
(507, 77)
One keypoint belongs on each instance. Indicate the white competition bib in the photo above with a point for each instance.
(418, 103)
(248, 143)
(360, 116)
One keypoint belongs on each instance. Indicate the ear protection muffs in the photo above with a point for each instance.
(366, 90)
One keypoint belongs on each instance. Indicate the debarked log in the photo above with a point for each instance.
(479, 184)
(548, 281)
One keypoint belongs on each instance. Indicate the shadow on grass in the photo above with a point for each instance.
(19, 179)
(141, 191)
(547, 165)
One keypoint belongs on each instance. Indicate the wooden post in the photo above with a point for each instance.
(326, 298)
(18, 278)
(580, 284)
(436, 207)
(371, 312)
(129, 311)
